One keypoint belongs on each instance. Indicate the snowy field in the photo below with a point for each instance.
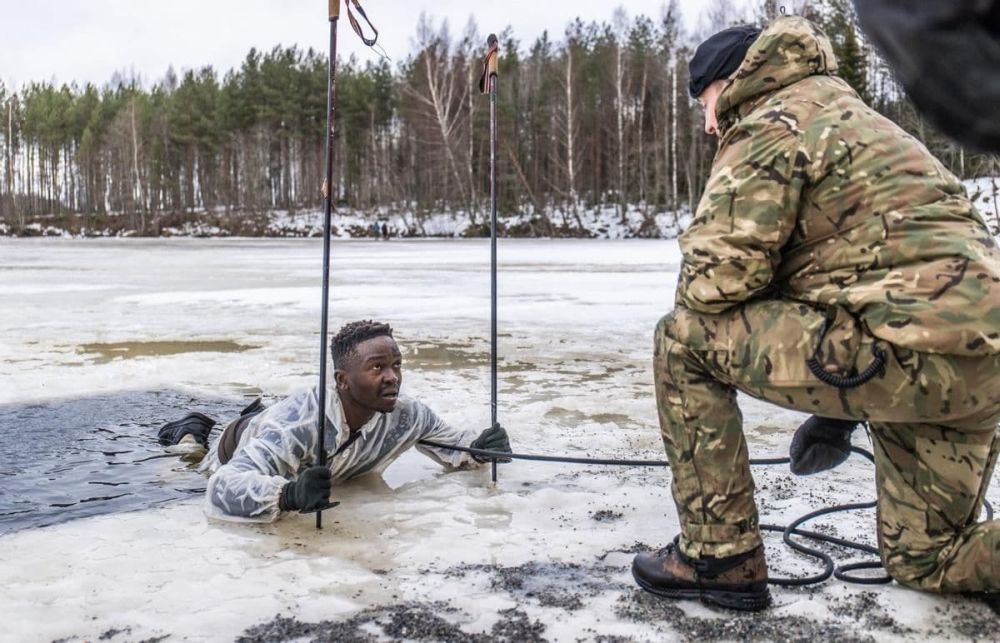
(418, 554)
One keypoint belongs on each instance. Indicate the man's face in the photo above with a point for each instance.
(708, 99)
(372, 377)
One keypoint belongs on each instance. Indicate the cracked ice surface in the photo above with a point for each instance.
(83, 318)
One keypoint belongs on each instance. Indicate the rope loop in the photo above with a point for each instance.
(786, 531)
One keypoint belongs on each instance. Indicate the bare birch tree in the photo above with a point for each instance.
(442, 91)
(620, 21)
(570, 127)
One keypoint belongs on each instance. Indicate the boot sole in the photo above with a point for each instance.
(742, 601)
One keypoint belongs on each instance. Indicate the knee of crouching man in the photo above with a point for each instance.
(688, 328)
(664, 326)
(664, 335)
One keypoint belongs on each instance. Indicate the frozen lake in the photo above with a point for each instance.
(110, 334)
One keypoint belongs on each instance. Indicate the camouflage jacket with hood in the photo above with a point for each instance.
(815, 197)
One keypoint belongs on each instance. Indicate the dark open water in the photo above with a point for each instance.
(68, 459)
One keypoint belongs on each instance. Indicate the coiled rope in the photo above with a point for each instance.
(841, 572)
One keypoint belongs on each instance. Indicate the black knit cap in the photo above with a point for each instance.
(719, 56)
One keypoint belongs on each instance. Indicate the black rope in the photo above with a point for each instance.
(486, 454)
(840, 572)
(828, 565)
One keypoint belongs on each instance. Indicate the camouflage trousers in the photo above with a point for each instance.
(933, 422)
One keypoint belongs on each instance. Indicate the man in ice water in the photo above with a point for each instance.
(835, 267)
(263, 464)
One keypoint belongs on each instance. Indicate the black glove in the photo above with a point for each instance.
(197, 425)
(310, 492)
(492, 439)
(820, 444)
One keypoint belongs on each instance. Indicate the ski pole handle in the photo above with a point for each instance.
(490, 65)
(492, 61)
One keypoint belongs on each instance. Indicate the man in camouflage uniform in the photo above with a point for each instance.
(828, 236)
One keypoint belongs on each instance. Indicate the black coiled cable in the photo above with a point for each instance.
(786, 531)
(847, 381)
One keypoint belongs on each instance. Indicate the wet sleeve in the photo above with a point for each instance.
(748, 211)
(430, 427)
(247, 488)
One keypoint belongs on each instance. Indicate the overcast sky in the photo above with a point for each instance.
(89, 40)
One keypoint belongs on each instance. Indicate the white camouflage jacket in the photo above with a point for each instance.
(280, 442)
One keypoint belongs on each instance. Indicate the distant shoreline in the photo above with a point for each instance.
(599, 222)
(603, 221)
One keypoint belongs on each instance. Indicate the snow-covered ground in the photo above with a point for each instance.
(599, 222)
(420, 554)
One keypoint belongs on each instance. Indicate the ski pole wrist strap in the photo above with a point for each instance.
(357, 26)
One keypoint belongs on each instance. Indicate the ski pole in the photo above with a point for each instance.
(331, 108)
(488, 85)
(331, 105)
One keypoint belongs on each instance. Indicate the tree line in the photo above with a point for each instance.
(599, 117)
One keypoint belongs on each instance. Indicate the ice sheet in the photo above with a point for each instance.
(549, 541)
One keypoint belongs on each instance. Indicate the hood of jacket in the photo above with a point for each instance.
(789, 49)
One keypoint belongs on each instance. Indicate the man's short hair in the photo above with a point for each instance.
(344, 345)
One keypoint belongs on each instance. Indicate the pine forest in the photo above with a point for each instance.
(597, 116)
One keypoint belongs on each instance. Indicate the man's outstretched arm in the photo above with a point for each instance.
(434, 428)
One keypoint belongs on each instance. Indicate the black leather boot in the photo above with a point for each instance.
(197, 425)
(736, 582)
